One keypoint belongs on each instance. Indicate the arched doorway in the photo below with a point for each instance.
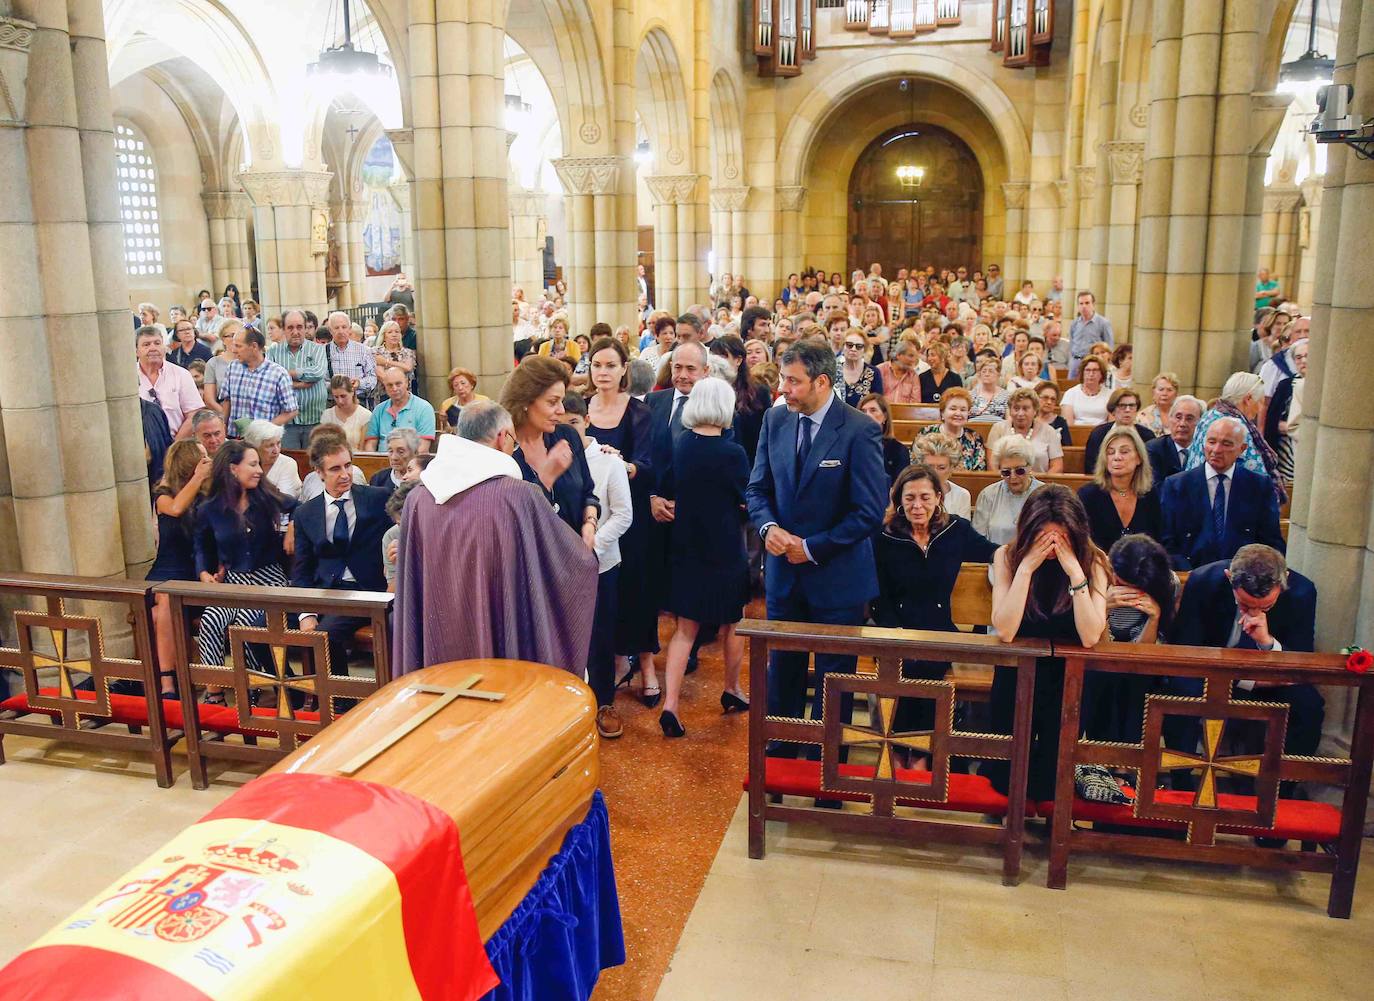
(938, 222)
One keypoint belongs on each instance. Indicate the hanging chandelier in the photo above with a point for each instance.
(346, 59)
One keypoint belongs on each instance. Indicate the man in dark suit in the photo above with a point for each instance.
(1169, 452)
(339, 544)
(816, 497)
(1254, 602)
(1212, 510)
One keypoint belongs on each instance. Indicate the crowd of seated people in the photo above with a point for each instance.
(665, 480)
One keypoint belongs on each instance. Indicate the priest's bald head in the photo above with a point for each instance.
(487, 423)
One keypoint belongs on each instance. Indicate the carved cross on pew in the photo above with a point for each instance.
(282, 681)
(467, 689)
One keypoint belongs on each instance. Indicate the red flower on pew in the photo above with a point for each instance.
(1358, 659)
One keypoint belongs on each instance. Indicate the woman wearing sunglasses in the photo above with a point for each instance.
(999, 505)
(857, 377)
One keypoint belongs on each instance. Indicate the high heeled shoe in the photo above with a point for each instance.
(651, 696)
(670, 725)
(732, 703)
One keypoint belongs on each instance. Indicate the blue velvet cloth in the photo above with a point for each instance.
(567, 929)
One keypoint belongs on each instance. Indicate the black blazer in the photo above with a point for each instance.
(1252, 515)
(381, 479)
(573, 492)
(1163, 453)
(318, 561)
(835, 507)
(660, 404)
(1094, 443)
(1104, 524)
(1207, 611)
(915, 586)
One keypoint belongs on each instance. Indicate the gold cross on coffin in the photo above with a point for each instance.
(464, 690)
(883, 736)
(1210, 763)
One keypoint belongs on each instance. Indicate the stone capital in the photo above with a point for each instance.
(673, 189)
(16, 37)
(403, 142)
(1084, 174)
(729, 199)
(287, 187)
(791, 197)
(1281, 199)
(589, 175)
(1267, 112)
(224, 204)
(1015, 192)
(1061, 191)
(526, 203)
(1125, 160)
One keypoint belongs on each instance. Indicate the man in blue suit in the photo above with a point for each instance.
(816, 497)
(1168, 453)
(1212, 510)
(339, 544)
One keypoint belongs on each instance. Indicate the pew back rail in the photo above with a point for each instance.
(97, 716)
(1207, 812)
(289, 725)
(885, 785)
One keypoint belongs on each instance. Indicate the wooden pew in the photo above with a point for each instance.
(886, 784)
(975, 482)
(369, 462)
(1157, 816)
(907, 430)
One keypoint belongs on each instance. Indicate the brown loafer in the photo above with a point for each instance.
(608, 723)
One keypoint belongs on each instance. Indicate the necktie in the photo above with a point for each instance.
(804, 427)
(1219, 510)
(675, 422)
(341, 526)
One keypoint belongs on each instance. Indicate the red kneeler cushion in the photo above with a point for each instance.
(132, 710)
(797, 777)
(1295, 820)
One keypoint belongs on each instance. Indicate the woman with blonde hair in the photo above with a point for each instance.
(391, 353)
(560, 345)
(1121, 499)
(941, 454)
(185, 471)
(1163, 391)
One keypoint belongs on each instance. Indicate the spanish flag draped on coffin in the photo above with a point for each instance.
(374, 862)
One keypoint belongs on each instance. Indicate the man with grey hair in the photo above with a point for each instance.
(1211, 510)
(306, 364)
(402, 445)
(1251, 602)
(487, 423)
(207, 427)
(1169, 452)
(345, 356)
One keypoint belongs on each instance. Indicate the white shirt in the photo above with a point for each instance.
(612, 485)
(331, 518)
(1087, 409)
(958, 500)
(285, 476)
(1234, 641)
(1212, 475)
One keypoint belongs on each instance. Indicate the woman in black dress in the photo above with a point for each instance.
(938, 377)
(184, 475)
(752, 398)
(1121, 498)
(918, 554)
(550, 454)
(620, 422)
(1050, 582)
(896, 456)
(243, 535)
(710, 571)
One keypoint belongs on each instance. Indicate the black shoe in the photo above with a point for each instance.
(651, 697)
(670, 725)
(692, 664)
(732, 703)
(828, 804)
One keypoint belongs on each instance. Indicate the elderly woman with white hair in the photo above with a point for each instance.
(1241, 398)
(999, 506)
(710, 568)
(278, 470)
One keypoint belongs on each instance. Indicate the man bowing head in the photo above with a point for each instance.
(816, 497)
(485, 568)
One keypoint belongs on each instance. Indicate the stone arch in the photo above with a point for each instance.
(560, 37)
(1272, 44)
(661, 100)
(727, 132)
(809, 121)
(1133, 77)
(172, 85)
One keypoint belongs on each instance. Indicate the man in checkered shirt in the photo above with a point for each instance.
(257, 389)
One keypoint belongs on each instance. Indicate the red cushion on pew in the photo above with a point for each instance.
(132, 710)
(797, 777)
(1296, 820)
(126, 709)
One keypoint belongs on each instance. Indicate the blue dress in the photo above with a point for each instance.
(710, 568)
(176, 553)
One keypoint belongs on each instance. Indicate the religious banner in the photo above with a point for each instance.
(297, 887)
(382, 247)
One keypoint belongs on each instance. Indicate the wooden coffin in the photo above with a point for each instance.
(514, 774)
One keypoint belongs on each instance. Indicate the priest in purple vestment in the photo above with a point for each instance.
(485, 568)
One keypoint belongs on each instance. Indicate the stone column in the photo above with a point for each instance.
(68, 406)
(288, 209)
(455, 154)
(1014, 195)
(590, 186)
(1105, 78)
(691, 271)
(662, 191)
(352, 267)
(731, 202)
(1309, 233)
(720, 232)
(679, 275)
(1124, 164)
(1278, 236)
(1332, 535)
(791, 253)
(224, 211)
(1079, 276)
(527, 225)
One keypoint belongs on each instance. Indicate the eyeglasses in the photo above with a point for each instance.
(1007, 473)
(852, 346)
